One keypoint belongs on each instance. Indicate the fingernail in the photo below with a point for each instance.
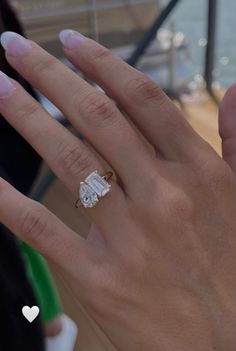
(15, 44)
(6, 86)
(71, 39)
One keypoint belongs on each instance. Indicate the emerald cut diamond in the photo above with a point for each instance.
(98, 184)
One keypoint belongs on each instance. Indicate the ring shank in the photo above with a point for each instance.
(108, 175)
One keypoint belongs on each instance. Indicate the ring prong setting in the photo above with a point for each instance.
(93, 188)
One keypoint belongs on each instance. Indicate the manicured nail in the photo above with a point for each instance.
(6, 86)
(15, 44)
(71, 39)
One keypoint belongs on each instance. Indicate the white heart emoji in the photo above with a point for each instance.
(30, 313)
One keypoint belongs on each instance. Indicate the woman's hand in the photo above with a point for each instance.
(158, 269)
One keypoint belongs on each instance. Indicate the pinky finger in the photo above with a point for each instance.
(41, 229)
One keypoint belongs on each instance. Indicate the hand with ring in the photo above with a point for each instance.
(157, 271)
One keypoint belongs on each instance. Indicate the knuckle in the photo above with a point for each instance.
(98, 109)
(140, 259)
(75, 160)
(142, 89)
(99, 54)
(35, 224)
(215, 175)
(179, 204)
(45, 65)
(28, 110)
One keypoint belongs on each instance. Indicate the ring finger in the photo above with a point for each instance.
(67, 156)
(90, 111)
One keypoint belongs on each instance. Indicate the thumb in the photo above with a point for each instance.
(227, 127)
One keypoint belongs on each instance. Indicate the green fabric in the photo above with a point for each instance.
(42, 283)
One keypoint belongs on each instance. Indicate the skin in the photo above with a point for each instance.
(157, 271)
(53, 327)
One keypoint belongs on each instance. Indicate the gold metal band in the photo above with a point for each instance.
(108, 175)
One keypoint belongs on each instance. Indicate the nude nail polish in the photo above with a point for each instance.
(71, 39)
(6, 86)
(15, 44)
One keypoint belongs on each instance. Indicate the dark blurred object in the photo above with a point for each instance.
(18, 159)
(19, 165)
(10, 22)
(210, 49)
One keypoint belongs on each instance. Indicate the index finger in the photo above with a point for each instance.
(90, 111)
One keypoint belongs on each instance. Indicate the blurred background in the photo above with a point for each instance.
(122, 21)
(186, 46)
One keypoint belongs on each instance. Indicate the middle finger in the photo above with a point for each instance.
(90, 111)
(68, 157)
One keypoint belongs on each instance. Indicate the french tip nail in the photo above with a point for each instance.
(6, 38)
(63, 35)
(71, 39)
(15, 44)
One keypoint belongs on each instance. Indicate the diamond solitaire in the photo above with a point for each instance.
(93, 188)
